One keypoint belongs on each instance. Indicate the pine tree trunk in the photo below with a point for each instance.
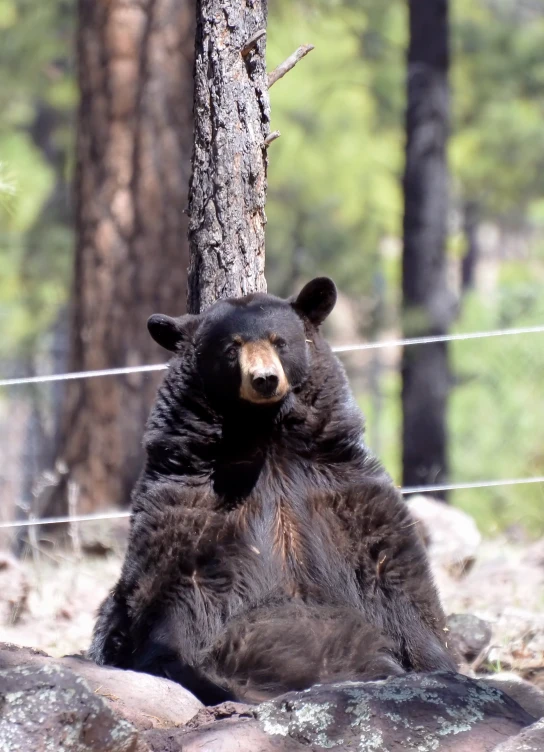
(133, 156)
(228, 185)
(427, 305)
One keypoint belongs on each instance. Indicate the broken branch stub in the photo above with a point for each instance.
(271, 137)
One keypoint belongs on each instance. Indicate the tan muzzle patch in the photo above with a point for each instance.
(263, 378)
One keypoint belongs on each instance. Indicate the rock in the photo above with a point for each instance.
(438, 712)
(468, 635)
(452, 536)
(146, 701)
(45, 707)
(529, 740)
(51, 708)
(229, 727)
(14, 589)
(523, 692)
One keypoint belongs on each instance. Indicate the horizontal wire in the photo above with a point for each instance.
(337, 349)
(82, 375)
(404, 491)
(478, 484)
(62, 520)
(439, 338)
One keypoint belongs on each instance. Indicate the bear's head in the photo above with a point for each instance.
(253, 348)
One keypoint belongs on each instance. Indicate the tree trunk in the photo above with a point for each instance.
(133, 156)
(427, 305)
(228, 184)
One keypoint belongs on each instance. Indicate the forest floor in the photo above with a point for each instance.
(50, 599)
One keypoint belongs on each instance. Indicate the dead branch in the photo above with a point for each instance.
(291, 61)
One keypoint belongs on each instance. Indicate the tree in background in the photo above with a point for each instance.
(427, 306)
(133, 151)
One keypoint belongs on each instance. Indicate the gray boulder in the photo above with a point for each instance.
(451, 535)
(146, 701)
(429, 713)
(51, 708)
(468, 636)
(530, 697)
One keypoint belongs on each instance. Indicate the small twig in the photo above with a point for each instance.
(109, 696)
(251, 42)
(160, 721)
(291, 61)
(481, 658)
(271, 137)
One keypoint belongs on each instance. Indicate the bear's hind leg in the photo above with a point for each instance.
(390, 563)
(281, 648)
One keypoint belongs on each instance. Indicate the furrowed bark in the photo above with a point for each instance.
(228, 184)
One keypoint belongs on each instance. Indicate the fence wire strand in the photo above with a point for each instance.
(404, 491)
(338, 349)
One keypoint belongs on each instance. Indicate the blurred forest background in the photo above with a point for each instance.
(335, 206)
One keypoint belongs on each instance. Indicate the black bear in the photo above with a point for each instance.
(268, 549)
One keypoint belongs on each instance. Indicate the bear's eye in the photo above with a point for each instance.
(279, 343)
(231, 350)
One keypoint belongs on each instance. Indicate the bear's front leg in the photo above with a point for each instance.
(174, 593)
(392, 571)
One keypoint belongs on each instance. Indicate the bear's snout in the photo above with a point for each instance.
(263, 379)
(265, 382)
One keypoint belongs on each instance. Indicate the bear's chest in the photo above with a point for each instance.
(290, 540)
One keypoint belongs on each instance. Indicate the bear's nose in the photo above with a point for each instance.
(265, 383)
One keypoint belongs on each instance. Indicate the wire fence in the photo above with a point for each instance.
(524, 480)
(338, 349)
(404, 491)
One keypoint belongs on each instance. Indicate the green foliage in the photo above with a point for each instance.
(334, 175)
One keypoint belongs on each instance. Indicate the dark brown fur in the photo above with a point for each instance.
(268, 549)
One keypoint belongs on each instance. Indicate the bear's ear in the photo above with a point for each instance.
(169, 332)
(316, 300)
